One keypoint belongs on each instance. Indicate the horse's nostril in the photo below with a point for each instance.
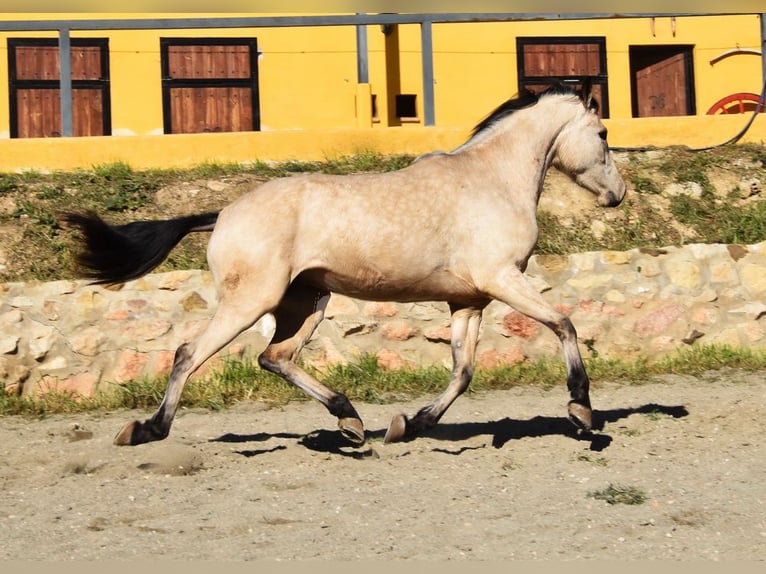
(610, 199)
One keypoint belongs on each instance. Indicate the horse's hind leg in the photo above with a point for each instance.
(465, 336)
(229, 320)
(297, 316)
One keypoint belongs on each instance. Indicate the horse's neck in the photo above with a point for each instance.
(520, 149)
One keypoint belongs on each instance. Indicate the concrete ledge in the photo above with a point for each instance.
(187, 150)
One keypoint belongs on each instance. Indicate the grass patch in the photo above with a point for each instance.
(365, 381)
(598, 461)
(716, 221)
(616, 494)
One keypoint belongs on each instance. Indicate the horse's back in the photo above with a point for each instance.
(378, 236)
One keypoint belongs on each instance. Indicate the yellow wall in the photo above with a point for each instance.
(308, 82)
(307, 76)
(476, 63)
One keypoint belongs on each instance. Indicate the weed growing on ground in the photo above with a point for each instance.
(616, 494)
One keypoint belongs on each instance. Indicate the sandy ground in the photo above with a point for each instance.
(504, 476)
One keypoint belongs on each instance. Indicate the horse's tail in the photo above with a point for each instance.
(117, 253)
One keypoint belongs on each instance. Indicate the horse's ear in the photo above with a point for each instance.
(586, 92)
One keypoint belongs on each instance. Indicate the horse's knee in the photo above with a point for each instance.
(564, 329)
(465, 376)
(182, 357)
(272, 360)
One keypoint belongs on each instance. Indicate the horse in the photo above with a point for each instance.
(455, 226)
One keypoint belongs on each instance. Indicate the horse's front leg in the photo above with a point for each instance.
(465, 336)
(512, 288)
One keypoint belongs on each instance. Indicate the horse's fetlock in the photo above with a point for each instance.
(339, 406)
(425, 418)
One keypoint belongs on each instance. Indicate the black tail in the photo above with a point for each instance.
(118, 253)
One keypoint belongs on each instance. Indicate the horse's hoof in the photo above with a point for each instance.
(352, 429)
(397, 429)
(138, 432)
(128, 436)
(581, 416)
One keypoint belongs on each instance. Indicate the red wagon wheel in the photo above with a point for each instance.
(739, 103)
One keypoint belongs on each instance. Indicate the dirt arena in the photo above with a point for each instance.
(503, 477)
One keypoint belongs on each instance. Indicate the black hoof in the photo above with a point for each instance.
(138, 432)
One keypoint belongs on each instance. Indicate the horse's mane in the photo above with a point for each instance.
(525, 99)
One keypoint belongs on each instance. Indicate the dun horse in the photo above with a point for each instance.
(454, 226)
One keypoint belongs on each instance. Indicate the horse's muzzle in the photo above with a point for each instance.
(609, 199)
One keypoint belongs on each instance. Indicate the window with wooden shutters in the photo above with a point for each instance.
(543, 61)
(209, 85)
(35, 96)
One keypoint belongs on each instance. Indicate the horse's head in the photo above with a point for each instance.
(581, 152)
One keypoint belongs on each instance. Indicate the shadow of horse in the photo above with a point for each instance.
(507, 429)
(501, 431)
(258, 437)
(321, 440)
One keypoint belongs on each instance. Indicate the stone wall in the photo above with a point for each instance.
(71, 335)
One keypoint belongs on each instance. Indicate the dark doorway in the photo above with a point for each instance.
(662, 81)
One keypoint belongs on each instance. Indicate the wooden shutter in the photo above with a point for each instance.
(542, 61)
(35, 94)
(210, 85)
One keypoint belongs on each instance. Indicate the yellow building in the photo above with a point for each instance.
(327, 85)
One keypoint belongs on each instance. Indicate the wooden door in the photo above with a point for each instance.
(209, 85)
(35, 95)
(543, 61)
(661, 88)
(38, 113)
(662, 81)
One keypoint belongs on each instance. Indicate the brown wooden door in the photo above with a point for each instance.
(195, 110)
(35, 94)
(209, 85)
(543, 61)
(562, 60)
(39, 113)
(661, 88)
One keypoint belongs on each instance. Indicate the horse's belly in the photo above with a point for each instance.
(370, 285)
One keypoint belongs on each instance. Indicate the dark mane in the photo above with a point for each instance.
(526, 99)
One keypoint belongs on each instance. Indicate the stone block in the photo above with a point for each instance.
(753, 277)
(515, 324)
(658, 321)
(88, 341)
(9, 344)
(129, 366)
(398, 331)
(492, 358)
(684, 274)
(380, 309)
